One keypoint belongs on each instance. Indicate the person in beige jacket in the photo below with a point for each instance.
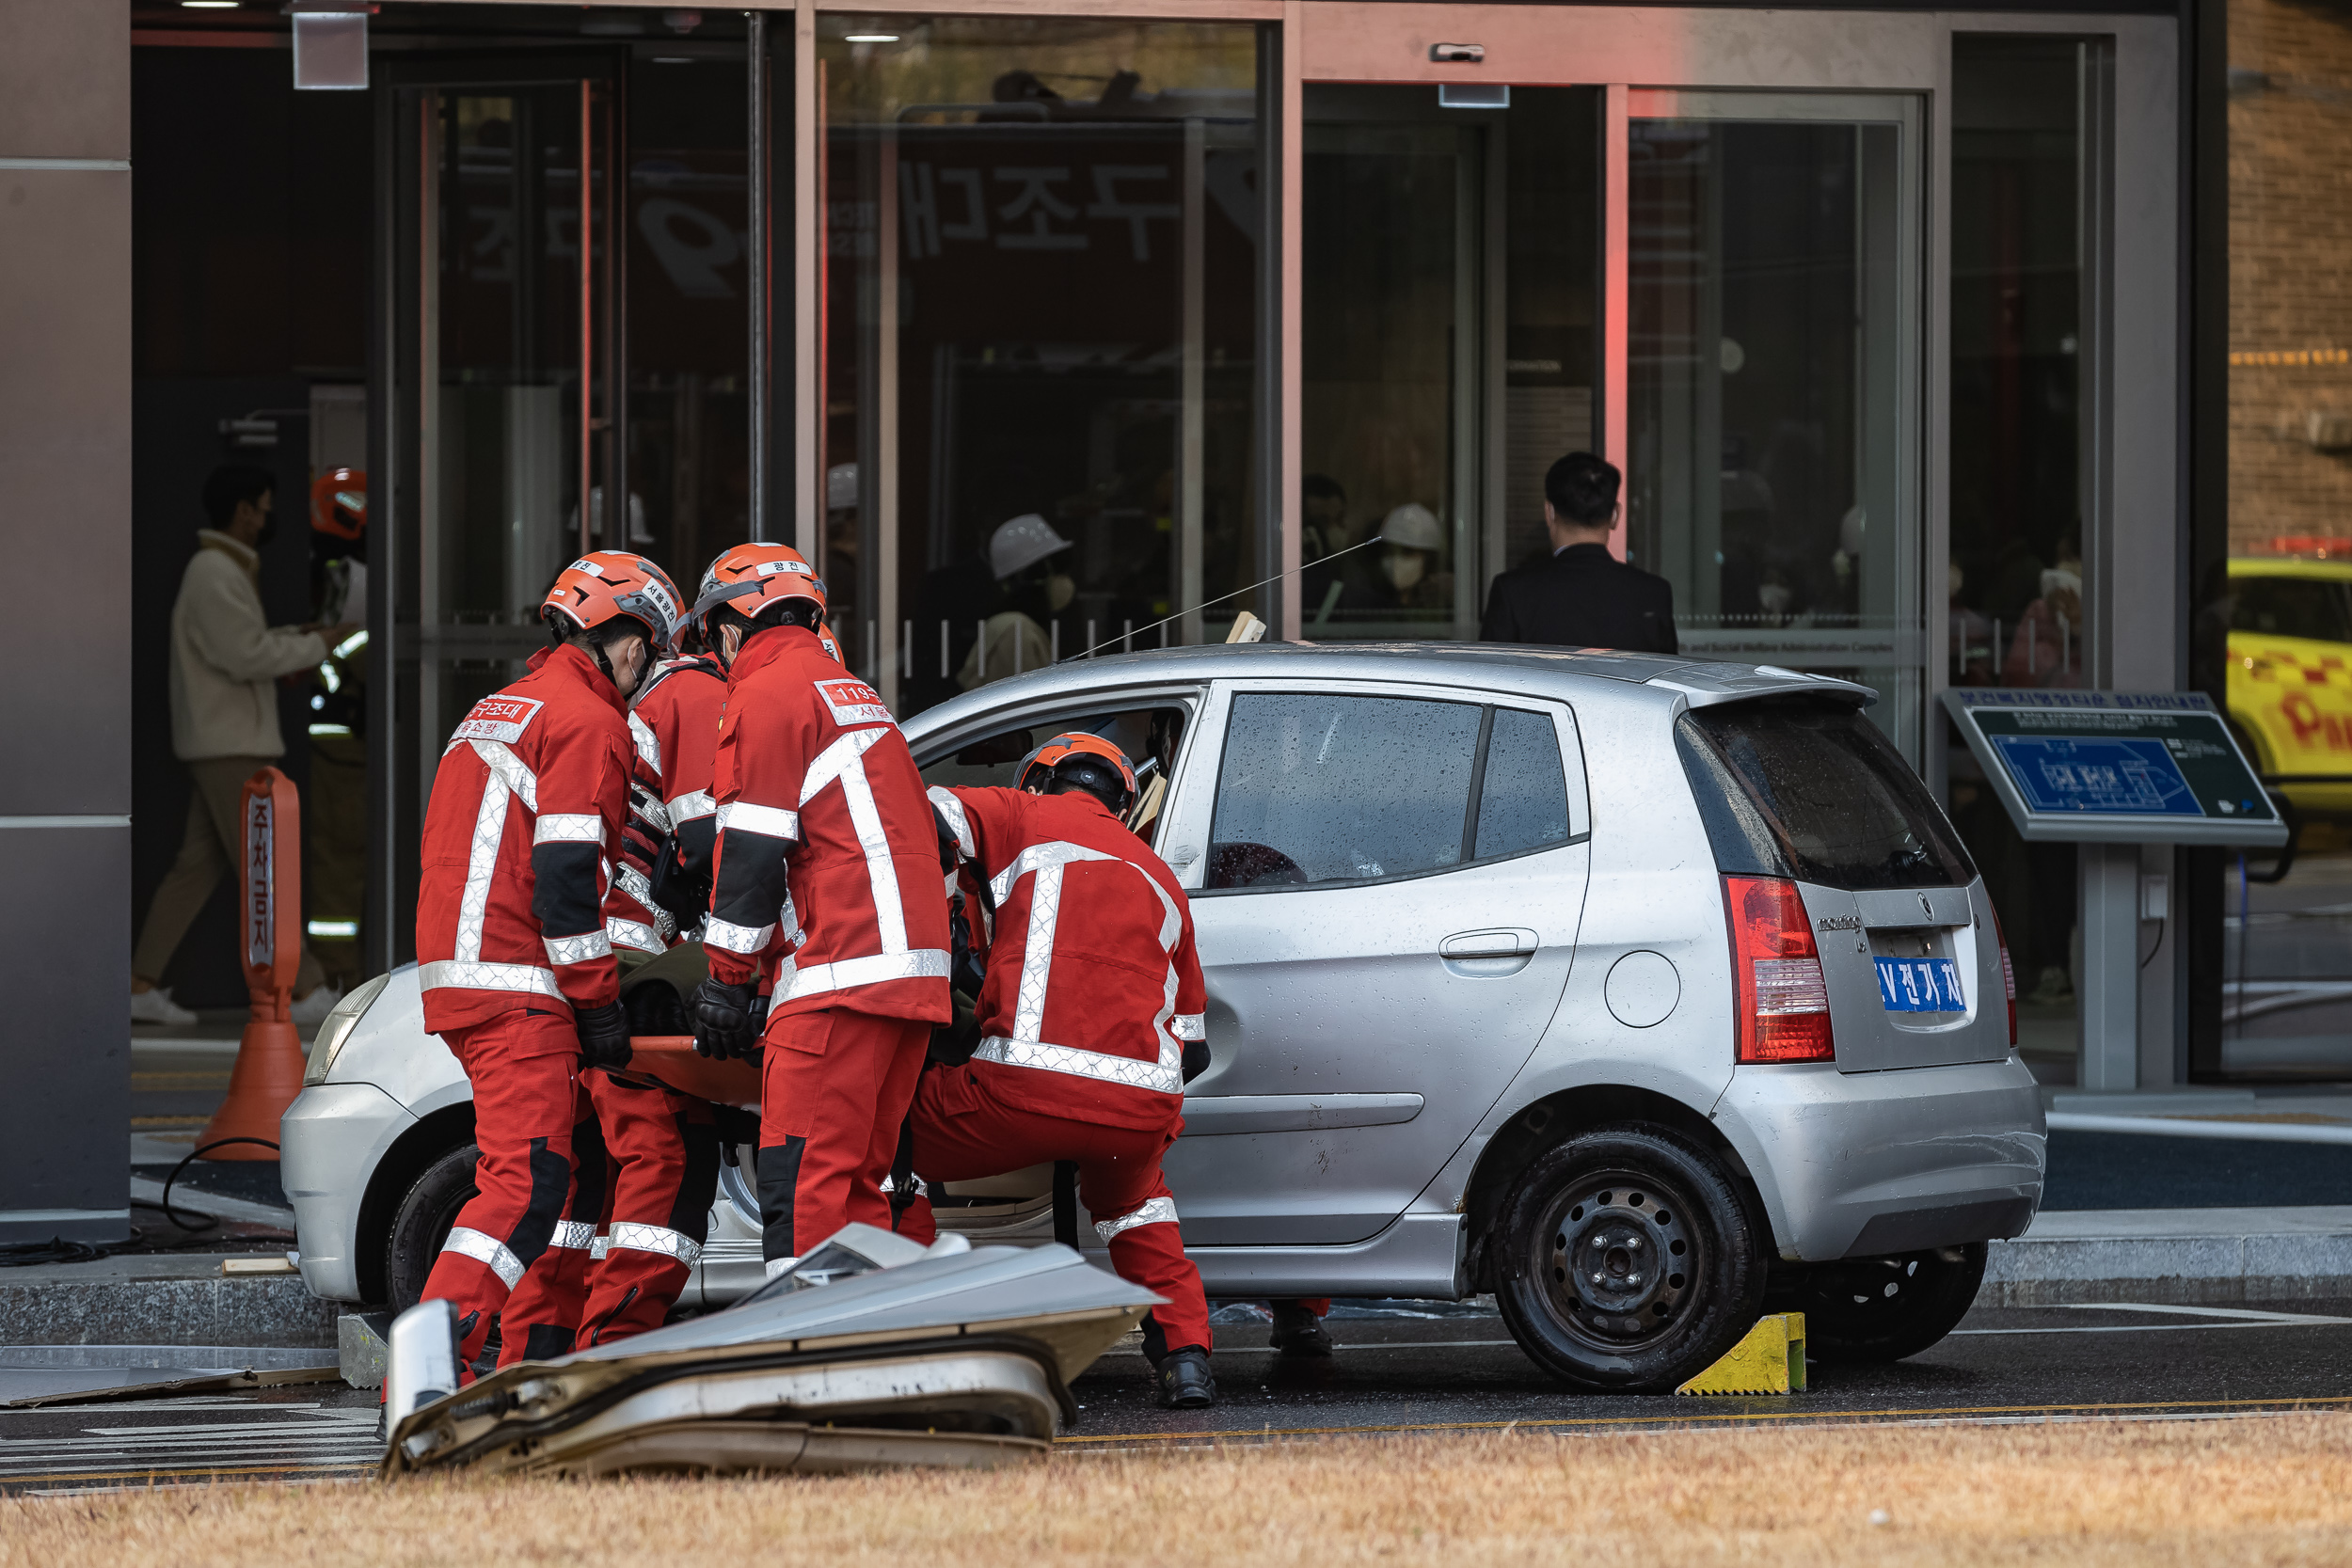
(226, 659)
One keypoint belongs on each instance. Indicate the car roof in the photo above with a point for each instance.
(1701, 683)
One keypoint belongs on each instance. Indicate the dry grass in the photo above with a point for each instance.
(2269, 1490)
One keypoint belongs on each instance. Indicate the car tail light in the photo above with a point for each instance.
(1784, 998)
(2009, 976)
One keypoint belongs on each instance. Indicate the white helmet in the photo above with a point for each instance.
(1413, 527)
(1021, 544)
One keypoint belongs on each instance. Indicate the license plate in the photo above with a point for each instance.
(1920, 986)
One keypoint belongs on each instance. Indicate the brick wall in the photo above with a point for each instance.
(2289, 271)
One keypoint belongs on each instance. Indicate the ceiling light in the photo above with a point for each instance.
(673, 59)
(870, 38)
(210, 4)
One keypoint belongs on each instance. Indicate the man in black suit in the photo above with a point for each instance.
(1581, 596)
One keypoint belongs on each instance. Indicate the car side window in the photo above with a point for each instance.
(1319, 788)
(1523, 792)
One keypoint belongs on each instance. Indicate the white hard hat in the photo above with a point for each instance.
(1021, 544)
(1414, 527)
(840, 486)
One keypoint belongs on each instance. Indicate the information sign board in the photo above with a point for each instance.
(2115, 767)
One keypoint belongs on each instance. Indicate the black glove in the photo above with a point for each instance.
(1195, 1059)
(603, 1035)
(724, 1027)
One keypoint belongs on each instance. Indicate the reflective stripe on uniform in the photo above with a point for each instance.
(750, 940)
(488, 1251)
(844, 761)
(628, 879)
(508, 778)
(578, 1235)
(1165, 1076)
(568, 828)
(694, 803)
(632, 935)
(769, 821)
(1188, 1027)
(1024, 1046)
(649, 749)
(923, 963)
(576, 950)
(958, 823)
(1157, 1210)
(597, 1248)
(655, 1238)
(473, 975)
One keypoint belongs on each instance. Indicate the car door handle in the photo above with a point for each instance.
(1503, 943)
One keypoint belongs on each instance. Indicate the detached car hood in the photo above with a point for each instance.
(961, 1360)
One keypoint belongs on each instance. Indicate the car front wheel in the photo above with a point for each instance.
(1875, 1309)
(422, 1221)
(1627, 1264)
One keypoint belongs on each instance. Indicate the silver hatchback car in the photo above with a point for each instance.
(1644, 993)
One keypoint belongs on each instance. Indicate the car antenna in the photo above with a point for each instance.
(1236, 594)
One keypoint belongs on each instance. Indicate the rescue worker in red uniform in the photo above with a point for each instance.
(828, 884)
(516, 972)
(1089, 1018)
(662, 1147)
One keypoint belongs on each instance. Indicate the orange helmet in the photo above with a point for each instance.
(1086, 760)
(338, 502)
(605, 583)
(750, 578)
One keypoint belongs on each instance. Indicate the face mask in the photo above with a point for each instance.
(1059, 590)
(2060, 580)
(1403, 568)
(269, 529)
(1775, 597)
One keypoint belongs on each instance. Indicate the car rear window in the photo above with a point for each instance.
(1805, 788)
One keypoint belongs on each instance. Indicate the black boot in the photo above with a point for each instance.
(1297, 1332)
(1183, 1380)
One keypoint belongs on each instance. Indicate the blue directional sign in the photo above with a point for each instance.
(2112, 768)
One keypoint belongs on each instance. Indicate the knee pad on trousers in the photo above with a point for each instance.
(546, 1341)
(699, 1185)
(779, 1183)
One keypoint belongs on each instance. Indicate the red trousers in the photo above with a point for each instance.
(662, 1150)
(834, 1091)
(518, 1254)
(963, 1133)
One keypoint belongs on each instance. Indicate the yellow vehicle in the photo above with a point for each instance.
(2291, 675)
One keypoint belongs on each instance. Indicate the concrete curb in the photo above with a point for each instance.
(181, 1300)
(2174, 1257)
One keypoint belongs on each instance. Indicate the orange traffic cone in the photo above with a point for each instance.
(268, 1073)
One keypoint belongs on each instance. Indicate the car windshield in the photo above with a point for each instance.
(2317, 608)
(1806, 788)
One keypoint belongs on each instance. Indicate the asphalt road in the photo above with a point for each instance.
(1401, 1366)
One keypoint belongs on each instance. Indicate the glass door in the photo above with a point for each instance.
(1773, 374)
(508, 437)
(1447, 344)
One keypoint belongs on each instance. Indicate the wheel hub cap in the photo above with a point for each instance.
(1622, 1259)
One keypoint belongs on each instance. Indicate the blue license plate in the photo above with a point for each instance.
(1920, 986)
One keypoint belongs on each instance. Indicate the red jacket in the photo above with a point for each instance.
(528, 801)
(1092, 986)
(812, 766)
(675, 723)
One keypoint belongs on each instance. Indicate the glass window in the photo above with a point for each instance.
(1325, 789)
(1812, 790)
(1523, 793)
(1039, 343)
(1773, 415)
(1151, 737)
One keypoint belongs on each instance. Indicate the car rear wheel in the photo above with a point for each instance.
(1874, 1309)
(1628, 1262)
(421, 1223)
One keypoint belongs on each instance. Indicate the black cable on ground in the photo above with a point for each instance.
(211, 1222)
(20, 1254)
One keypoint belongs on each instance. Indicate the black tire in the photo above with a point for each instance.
(421, 1223)
(1607, 1199)
(1865, 1310)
